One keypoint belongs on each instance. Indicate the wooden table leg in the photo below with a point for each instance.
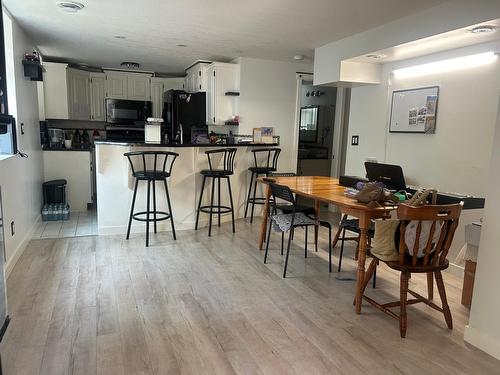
(263, 225)
(363, 226)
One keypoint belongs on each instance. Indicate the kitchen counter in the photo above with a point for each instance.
(87, 149)
(115, 185)
(142, 144)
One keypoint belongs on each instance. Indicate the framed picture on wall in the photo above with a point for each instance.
(414, 110)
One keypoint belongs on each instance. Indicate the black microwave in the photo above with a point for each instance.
(127, 112)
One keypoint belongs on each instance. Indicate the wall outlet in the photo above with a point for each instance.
(12, 228)
(355, 140)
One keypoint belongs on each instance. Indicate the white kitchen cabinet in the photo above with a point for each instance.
(55, 90)
(76, 168)
(158, 87)
(196, 77)
(139, 86)
(97, 94)
(116, 85)
(78, 94)
(222, 79)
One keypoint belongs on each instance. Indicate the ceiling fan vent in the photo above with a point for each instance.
(70, 6)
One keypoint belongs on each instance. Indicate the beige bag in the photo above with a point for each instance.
(383, 246)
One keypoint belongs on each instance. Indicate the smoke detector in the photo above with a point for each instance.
(130, 65)
(70, 6)
(298, 57)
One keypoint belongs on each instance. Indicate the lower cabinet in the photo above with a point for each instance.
(76, 167)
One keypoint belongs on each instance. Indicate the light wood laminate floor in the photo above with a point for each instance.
(199, 305)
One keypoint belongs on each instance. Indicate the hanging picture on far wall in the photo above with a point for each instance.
(414, 110)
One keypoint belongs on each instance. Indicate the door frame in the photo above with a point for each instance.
(301, 78)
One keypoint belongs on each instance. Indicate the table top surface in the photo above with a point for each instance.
(324, 189)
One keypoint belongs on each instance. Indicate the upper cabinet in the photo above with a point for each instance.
(125, 85)
(158, 87)
(97, 94)
(116, 85)
(78, 94)
(139, 86)
(196, 77)
(223, 84)
(55, 90)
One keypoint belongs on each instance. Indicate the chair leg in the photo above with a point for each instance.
(154, 204)
(199, 202)
(231, 201)
(282, 241)
(368, 275)
(287, 251)
(218, 201)
(342, 240)
(147, 213)
(305, 242)
(170, 209)
(444, 301)
(339, 231)
(329, 249)
(249, 194)
(430, 285)
(211, 208)
(374, 282)
(132, 209)
(268, 239)
(402, 303)
(254, 193)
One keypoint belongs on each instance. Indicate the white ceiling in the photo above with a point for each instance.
(212, 29)
(453, 39)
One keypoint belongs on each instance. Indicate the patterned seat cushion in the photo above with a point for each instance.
(283, 222)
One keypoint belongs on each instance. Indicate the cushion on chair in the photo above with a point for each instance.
(383, 246)
(283, 222)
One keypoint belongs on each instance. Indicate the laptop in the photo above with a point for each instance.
(390, 175)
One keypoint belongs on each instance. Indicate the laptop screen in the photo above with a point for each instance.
(390, 175)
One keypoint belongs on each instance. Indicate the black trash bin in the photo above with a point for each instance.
(54, 191)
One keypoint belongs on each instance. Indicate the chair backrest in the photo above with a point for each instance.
(281, 192)
(443, 217)
(227, 158)
(158, 162)
(266, 157)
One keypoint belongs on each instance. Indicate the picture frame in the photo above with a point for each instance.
(414, 110)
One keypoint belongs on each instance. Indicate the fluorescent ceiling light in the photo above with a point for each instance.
(446, 65)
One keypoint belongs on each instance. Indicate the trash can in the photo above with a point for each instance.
(54, 191)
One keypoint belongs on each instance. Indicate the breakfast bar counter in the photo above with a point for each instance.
(115, 184)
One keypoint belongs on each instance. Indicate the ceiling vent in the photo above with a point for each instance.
(130, 65)
(70, 6)
(483, 29)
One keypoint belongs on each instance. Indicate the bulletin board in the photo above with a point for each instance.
(414, 110)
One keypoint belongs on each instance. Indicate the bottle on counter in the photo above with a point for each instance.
(213, 138)
(77, 139)
(85, 139)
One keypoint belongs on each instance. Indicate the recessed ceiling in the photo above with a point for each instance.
(453, 39)
(211, 30)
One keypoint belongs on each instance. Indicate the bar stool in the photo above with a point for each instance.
(227, 157)
(161, 170)
(263, 165)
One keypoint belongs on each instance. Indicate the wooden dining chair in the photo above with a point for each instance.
(432, 260)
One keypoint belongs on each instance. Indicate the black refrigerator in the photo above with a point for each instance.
(182, 112)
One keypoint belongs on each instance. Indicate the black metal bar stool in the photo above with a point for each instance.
(265, 162)
(227, 158)
(156, 166)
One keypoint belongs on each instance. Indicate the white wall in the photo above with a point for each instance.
(268, 98)
(483, 330)
(454, 159)
(20, 179)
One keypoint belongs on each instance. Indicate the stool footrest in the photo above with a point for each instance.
(165, 216)
(215, 209)
(259, 200)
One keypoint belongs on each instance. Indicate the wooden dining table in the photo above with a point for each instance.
(327, 190)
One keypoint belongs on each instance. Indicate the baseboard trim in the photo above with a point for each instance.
(11, 262)
(481, 341)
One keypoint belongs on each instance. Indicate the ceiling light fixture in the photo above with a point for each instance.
(120, 37)
(70, 6)
(483, 29)
(130, 65)
(449, 65)
(375, 56)
(298, 57)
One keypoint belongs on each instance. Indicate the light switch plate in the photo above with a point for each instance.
(355, 140)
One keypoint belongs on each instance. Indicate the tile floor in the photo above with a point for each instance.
(82, 223)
